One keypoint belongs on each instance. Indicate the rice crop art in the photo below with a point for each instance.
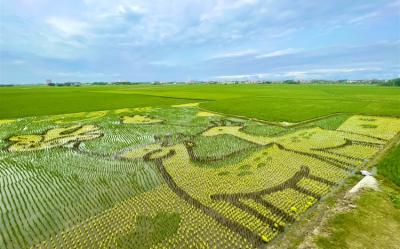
(171, 177)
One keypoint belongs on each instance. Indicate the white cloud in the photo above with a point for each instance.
(254, 54)
(253, 36)
(233, 54)
(163, 63)
(223, 6)
(78, 74)
(283, 33)
(243, 76)
(365, 17)
(68, 27)
(279, 53)
(120, 10)
(305, 74)
(17, 62)
(325, 72)
(393, 4)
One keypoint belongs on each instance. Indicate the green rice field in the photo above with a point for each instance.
(276, 102)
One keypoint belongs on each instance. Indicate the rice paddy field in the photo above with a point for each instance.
(275, 102)
(179, 166)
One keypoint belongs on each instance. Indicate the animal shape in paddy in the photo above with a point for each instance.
(54, 138)
(235, 199)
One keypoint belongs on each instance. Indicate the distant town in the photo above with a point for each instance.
(387, 82)
(391, 82)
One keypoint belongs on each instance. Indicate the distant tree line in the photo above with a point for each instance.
(99, 83)
(116, 83)
(393, 82)
(65, 84)
(291, 82)
(125, 83)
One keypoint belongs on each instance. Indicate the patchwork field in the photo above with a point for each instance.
(143, 178)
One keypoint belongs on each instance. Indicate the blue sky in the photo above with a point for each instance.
(146, 40)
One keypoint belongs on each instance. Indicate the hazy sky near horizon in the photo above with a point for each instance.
(146, 40)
